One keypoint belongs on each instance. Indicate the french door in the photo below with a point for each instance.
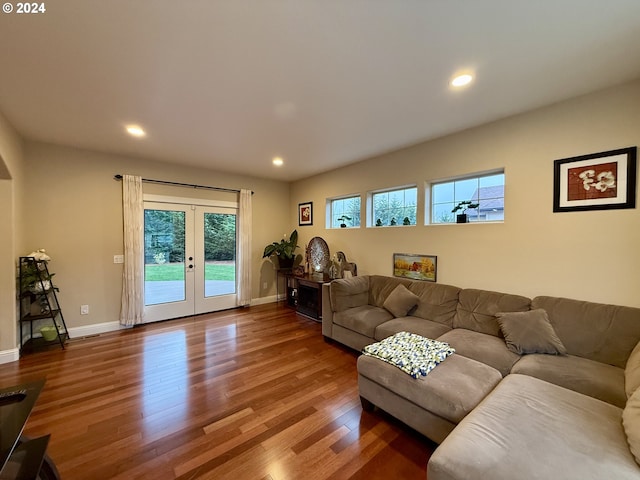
(189, 259)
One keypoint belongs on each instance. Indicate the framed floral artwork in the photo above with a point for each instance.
(305, 213)
(598, 181)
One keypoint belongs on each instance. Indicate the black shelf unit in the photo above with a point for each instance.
(39, 303)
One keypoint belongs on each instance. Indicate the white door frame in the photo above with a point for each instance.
(195, 301)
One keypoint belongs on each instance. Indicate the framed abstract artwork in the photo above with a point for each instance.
(598, 181)
(305, 213)
(415, 267)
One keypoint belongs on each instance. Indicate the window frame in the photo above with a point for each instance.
(371, 220)
(477, 176)
(330, 207)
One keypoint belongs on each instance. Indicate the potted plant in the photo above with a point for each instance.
(283, 250)
(464, 206)
(33, 274)
(343, 219)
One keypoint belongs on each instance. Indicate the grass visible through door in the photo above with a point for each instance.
(175, 271)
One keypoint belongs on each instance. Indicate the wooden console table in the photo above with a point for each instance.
(305, 294)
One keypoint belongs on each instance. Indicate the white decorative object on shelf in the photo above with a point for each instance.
(40, 254)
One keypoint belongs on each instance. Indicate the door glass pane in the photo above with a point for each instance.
(219, 254)
(164, 249)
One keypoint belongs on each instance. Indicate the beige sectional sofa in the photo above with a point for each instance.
(537, 388)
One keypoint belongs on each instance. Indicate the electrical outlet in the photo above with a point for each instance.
(84, 309)
(118, 259)
(264, 285)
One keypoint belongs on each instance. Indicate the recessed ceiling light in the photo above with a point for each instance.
(278, 162)
(462, 80)
(135, 130)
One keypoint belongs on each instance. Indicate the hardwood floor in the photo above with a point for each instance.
(253, 393)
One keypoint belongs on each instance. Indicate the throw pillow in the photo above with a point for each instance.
(400, 301)
(631, 423)
(530, 332)
(632, 372)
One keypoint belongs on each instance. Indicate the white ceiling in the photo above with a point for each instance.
(229, 84)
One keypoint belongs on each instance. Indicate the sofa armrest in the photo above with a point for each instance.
(327, 313)
(342, 294)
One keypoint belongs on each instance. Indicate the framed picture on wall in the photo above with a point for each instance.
(415, 267)
(598, 181)
(305, 213)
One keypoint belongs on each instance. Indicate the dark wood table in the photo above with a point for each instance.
(22, 458)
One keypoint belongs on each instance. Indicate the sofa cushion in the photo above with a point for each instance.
(451, 390)
(604, 333)
(437, 302)
(594, 379)
(348, 293)
(477, 309)
(631, 423)
(380, 287)
(412, 324)
(632, 372)
(528, 428)
(529, 332)
(400, 301)
(363, 320)
(484, 348)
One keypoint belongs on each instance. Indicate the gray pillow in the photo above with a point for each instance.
(530, 332)
(631, 423)
(400, 301)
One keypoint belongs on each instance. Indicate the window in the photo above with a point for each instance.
(344, 211)
(486, 190)
(394, 207)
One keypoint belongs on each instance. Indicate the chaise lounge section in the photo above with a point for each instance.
(536, 387)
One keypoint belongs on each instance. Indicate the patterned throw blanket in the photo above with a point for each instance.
(411, 353)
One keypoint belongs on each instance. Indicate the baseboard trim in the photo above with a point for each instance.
(95, 329)
(8, 356)
(263, 300)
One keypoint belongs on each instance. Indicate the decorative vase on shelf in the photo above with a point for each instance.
(333, 271)
(49, 333)
(462, 218)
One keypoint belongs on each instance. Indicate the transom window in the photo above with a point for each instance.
(485, 190)
(344, 212)
(394, 207)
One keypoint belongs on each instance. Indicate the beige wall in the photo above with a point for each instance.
(73, 209)
(11, 158)
(586, 255)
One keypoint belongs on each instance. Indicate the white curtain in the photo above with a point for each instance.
(132, 307)
(244, 249)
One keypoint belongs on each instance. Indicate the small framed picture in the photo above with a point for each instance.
(415, 267)
(598, 181)
(305, 213)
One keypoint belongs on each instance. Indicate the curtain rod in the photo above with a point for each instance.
(176, 184)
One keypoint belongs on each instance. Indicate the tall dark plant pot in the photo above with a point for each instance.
(285, 262)
(462, 218)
